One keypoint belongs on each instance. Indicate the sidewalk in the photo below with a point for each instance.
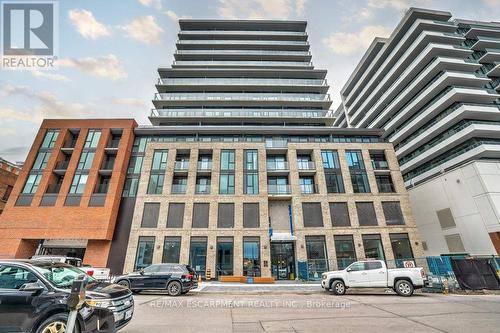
(228, 287)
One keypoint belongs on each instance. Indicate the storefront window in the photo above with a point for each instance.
(401, 248)
(317, 261)
(171, 250)
(198, 255)
(344, 248)
(373, 247)
(144, 256)
(251, 256)
(224, 256)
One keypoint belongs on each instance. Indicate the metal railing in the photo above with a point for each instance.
(238, 113)
(181, 165)
(179, 188)
(241, 32)
(242, 97)
(306, 165)
(308, 188)
(380, 165)
(245, 52)
(202, 189)
(277, 166)
(204, 166)
(240, 81)
(279, 189)
(245, 42)
(242, 63)
(276, 144)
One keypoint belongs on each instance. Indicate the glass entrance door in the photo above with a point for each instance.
(283, 261)
(224, 256)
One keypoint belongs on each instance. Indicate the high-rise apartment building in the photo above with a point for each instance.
(241, 172)
(433, 88)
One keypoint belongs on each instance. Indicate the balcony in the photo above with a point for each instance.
(181, 165)
(179, 188)
(107, 167)
(277, 144)
(68, 146)
(245, 113)
(61, 167)
(244, 42)
(241, 82)
(242, 63)
(308, 188)
(277, 166)
(242, 97)
(113, 144)
(380, 165)
(306, 166)
(279, 189)
(204, 166)
(202, 189)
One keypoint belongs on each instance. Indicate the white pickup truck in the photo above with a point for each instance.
(374, 274)
(101, 274)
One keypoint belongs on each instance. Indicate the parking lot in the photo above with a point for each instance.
(311, 310)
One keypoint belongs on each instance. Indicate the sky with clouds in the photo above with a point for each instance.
(109, 51)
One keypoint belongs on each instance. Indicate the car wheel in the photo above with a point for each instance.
(403, 288)
(174, 288)
(124, 283)
(56, 324)
(338, 287)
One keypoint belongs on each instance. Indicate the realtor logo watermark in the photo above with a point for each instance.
(30, 34)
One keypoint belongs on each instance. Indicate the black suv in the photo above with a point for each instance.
(176, 279)
(33, 296)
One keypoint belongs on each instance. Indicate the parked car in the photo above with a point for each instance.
(101, 274)
(34, 294)
(176, 279)
(374, 274)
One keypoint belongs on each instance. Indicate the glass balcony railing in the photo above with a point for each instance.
(308, 188)
(113, 143)
(242, 97)
(240, 81)
(245, 42)
(204, 166)
(179, 188)
(243, 63)
(108, 165)
(306, 165)
(277, 166)
(279, 189)
(241, 32)
(174, 113)
(380, 165)
(245, 52)
(276, 144)
(181, 165)
(203, 189)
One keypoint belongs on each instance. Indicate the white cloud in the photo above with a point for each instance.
(144, 29)
(398, 4)
(151, 3)
(49, 76)
(86, 24)
(174, 17)
(105, 66)
(260, 9)
(136, 102)
(349, 43)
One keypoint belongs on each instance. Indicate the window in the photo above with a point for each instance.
(224, 264)
(159, 160)
(226, 184)
(251, 160)
(373, 247)
(171, 250)
(130, 187)
(7, 193)
(32, 183)
(379, 161)
(330, 159)
(86, 159)
(175, 218)
(78, 184)
(359, 178)
(357, 266)
(150, 215)
(251, 183)
(198, 254)
(334, 182)
(50, 138)
(339, 214)
(251, 215)
(179, 185)
(401, 248)
(392, 212)
(135, 164)
(203, 185)
(144, 255)
(345, 251)
(312, 214)
(317, 260)
(201, 214)
(366, 214)
(373, 265)
(92, 139)
(12, 277)
(41, 160)
(384, 183)
(307, 185)
(227, 160)
(225, 217)
(251, 256)
(155, 185)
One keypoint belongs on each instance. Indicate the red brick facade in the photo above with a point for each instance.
(21, 227)
(8, 177)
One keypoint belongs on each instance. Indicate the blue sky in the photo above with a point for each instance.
(109, 52)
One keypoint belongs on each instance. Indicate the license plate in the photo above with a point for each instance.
(128, 314)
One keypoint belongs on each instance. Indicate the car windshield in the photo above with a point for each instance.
(61, 276)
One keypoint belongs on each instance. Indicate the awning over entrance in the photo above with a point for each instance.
(282, 236)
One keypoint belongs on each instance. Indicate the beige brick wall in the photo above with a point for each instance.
(296, 199)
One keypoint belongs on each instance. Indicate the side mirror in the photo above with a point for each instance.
(141, 271)
(349, 270)
(32, 287)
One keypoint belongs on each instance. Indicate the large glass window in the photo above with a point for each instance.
(155, 185)
(339, 214)
(384, 183)
(41, 160)
(78, 184)
(251, 176)
(401, 247)
(227, 165)
(171, 250)
(251, 160)
(92, 139)
(224, 265)
(366, 214)
(198, 255)
(307, 185)
(227, 160)
(392, 212)
(357, 169)
(159, 160)
(373, 247)
(226, 184)
(86, 159)
(32, 184)
(317, 260)
(50, 138)
(135, 164)
(144, 255)
(345, 251)
(251, 256)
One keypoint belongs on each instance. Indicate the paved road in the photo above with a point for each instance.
(314, 311)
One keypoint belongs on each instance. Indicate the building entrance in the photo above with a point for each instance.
(283, 261)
